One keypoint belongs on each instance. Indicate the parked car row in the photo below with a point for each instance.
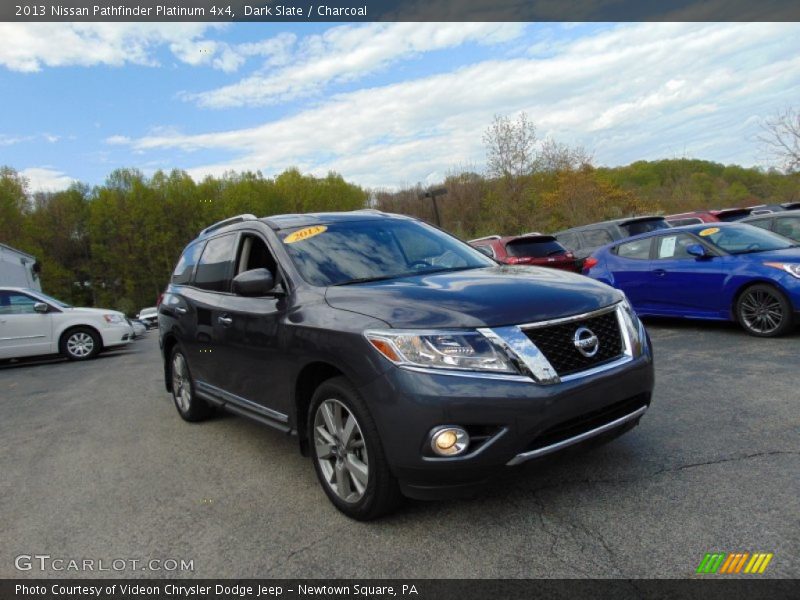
(688, 265)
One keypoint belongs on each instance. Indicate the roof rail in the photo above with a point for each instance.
(488, 237)
(230, 221)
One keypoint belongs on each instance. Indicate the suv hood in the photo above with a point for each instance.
(488, 297)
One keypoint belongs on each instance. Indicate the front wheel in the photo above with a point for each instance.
(764, 311)
(347, 453)
(80, 343)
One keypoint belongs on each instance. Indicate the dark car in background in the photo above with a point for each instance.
(532, 249)
(586, 239)
(405, 361)
(785, 223)
(723, 271)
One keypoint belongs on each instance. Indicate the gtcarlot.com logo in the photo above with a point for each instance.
(736, 562)
(45, 562)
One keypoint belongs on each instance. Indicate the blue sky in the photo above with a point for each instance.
(384, 104)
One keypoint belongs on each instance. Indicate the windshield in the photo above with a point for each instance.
(646, 226)
(372, 250)
(744, 239)
(52, 300)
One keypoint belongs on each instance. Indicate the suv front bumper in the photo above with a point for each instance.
(516, 420)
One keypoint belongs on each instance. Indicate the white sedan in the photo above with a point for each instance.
(32, 323)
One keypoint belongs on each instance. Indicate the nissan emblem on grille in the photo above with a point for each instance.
(586, 341)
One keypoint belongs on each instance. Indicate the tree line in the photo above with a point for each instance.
(115, 244)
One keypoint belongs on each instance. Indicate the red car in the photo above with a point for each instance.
(529, 249)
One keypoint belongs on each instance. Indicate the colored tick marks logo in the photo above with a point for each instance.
(733, 563)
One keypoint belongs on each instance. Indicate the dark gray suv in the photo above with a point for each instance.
(405, 361)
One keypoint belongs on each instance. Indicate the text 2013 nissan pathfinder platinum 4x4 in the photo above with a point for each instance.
(406, 362)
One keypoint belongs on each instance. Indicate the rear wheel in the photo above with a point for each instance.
(190, 407)
(347, 453)
(764, 311)
(80, 343)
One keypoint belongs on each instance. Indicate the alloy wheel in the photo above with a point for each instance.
(341, 451)
(181, 388)
(80, 344)
(761, 311)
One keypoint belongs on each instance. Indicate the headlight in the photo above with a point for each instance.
(633, 326)
(114, 319)
(467, 351)
(791, 268)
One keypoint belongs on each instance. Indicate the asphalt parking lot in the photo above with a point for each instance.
(97, 464)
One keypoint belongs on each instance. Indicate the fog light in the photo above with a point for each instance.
(449, 441)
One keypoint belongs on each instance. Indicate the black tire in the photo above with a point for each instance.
(189, 406)
(763, 311)
(80, 343)
(381, 494)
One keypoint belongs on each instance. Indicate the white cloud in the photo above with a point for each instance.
(118, 140)
(45, 179)
(10, 140)
(343, 53)
(29, 47)
(637, 91)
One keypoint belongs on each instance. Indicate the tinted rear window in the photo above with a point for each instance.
(638, 227)
(534, 248)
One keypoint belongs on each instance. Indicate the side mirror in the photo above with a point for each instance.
(697, 250)
(256, 282)
(40, 307)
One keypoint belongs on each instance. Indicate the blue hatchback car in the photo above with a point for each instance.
(724, 271)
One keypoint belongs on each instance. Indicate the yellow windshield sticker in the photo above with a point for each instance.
(709, 231)
(304, 234)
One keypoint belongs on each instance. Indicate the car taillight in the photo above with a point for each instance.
(589, 262)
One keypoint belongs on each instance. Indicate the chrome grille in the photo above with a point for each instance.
(556, 342)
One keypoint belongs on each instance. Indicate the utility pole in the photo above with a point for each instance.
(432, 194)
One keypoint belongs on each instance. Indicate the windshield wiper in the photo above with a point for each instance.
(369, 279)
(401, 275)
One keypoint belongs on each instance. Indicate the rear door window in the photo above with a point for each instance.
(638, 249)
(216, 264)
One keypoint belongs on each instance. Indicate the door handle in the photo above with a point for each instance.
(180, 310)
(660, 272)
(225, 320)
